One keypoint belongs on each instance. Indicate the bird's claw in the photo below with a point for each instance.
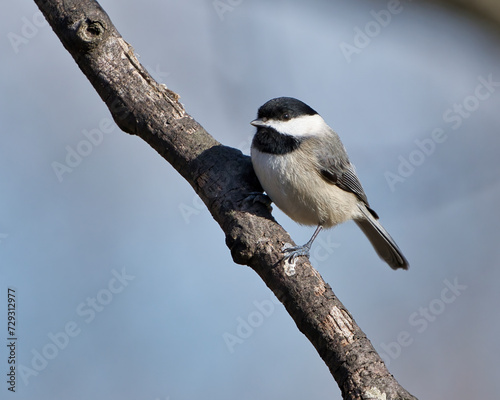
(258, 197)
(291, 253)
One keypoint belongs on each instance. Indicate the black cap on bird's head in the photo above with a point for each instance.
(282, 123)
(283, 109)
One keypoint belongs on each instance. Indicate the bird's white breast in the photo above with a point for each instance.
(294, 184)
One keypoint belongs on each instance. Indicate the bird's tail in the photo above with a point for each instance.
(382, 242)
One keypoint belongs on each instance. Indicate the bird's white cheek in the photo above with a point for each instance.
(306, 125)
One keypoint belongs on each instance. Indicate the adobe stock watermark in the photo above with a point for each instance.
(157, 72)
(421, 319)
(321, 250)
(222, 7)
(30, 27)
(77, 153)
(245, 327)
(86, 311)
(94, 137)
(373, 28)
(454, 115)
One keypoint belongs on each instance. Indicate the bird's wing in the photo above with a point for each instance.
(345, 178)
(338, 171)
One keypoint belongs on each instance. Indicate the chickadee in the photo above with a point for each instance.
(303, 167)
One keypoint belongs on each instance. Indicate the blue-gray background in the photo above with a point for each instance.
(123, 210)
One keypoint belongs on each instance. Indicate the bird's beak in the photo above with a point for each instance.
(258, 122)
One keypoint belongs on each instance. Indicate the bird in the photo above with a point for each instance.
(304, 168)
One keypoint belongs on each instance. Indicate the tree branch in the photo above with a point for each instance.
(487, 10)
(223, 177)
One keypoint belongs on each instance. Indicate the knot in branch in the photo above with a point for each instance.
(91, 32)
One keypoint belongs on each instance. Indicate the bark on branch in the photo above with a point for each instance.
(223, 177)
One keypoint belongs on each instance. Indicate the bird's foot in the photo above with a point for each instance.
(290, 253)
(258, 197)
(293, 252)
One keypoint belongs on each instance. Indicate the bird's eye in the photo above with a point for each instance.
(286, 116)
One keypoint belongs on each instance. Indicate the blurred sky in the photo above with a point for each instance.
(124, 286)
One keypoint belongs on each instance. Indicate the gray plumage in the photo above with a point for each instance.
(304, 168)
